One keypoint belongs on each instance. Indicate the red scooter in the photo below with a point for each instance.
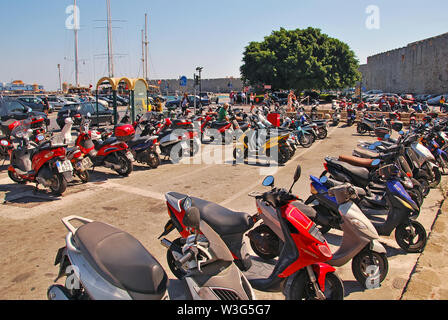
(300, 271)
(110, 153)
(43, 163)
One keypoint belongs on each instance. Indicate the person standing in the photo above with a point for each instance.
(243, 98)
(184, 103)
(46, 105)
(252, 97)
(291, 98)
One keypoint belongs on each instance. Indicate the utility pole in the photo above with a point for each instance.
(146, 75)
(110, 58)
(75, 29)
(60, 83)
(143, 56)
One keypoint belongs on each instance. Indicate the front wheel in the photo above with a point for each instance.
(126, 165)
(367, 262)
(301, 287)
(153, 159)
(411, 237)
(322, 133)
(306, 140)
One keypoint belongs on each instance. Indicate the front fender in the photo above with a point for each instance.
(321, 270)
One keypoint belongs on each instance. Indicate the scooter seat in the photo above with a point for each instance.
(358, 174)
(122, 260)
(139, 140)
(110, 140)
(218, 124)
(356, 161)
(223, 220)
(364, 153)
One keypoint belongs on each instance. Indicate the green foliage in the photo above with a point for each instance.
(300, 59)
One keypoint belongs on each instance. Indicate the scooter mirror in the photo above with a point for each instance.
(297, 173)
(387, 136)
(268, 181)
(376, 162)
(401, 132)
(372, 147)
(192, 218)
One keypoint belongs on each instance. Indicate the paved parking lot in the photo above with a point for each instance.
(31, 228)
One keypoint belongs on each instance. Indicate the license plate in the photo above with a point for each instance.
(85, 164)
(64, 166)
(129, 156)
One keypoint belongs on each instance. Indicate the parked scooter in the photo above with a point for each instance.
(110, 153)
(336, 117)
(43, 163)
(105, 263)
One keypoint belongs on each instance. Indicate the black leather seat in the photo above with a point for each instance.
(138, 140)
(218, 124)
(222, 220)
(122, 260)
(110, 140)
(358, 174)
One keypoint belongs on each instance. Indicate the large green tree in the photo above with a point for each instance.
(300, 59)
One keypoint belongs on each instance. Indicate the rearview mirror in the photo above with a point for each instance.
(268, 181)
(323, 179)
(192, 218)
(297, 173)
(401, 132)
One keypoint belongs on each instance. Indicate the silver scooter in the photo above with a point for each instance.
(104, 263)
(359, 241)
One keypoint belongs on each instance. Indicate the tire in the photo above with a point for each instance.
(437, 178)
(362, 260)
(360, 129)
(283, 155)
(175, 158)
(194, 148)
(322, 133)
(83, 175)
(269, 236)
(153, 159)
(306, 140)
(59, 184)
(424, 185)
(126, 165)
(178, 272)
(301, 287)
(14, 177)
(408, 242)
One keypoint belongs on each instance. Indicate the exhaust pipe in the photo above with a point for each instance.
(111, 165)
(166, 243)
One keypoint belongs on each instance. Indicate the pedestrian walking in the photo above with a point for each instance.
(291, 98)
(184, 103)
(46, 105)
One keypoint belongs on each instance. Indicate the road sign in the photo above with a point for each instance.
(183, 81)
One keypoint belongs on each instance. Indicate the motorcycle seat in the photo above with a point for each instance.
(139, 140)
(356, 161)
(222, 220)
(100, 144)
(122, 260)
(218, 124)
(359, 174)
(364, 153)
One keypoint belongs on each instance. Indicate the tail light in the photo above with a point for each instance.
(77, 115)
(326, 166)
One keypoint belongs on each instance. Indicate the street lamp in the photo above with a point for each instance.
(199, 69)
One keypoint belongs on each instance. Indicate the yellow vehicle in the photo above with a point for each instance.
(272, 143)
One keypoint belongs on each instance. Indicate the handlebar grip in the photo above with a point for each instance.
(185, 258)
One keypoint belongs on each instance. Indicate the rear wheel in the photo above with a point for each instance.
(153, 159)
(306, 140)
(177, 271)
(83, 175)
(322, 133)
(265, 242)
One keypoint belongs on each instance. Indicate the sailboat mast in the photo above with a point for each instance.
(109, 42)
(146, 47)
(75, 29)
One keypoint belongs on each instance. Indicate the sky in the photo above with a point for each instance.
(186, 34)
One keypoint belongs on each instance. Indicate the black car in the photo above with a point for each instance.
(77, 110)
(34, 103)
(174, 104)
(280, 97)
(14, 109)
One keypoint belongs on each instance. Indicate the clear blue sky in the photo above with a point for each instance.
(187, 34)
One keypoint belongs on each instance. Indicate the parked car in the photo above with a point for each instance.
(174, 104)
(280, 97)
(77, 110)
(210, 96)
(373, 92)
(15, 109)
(34, 103)
(56, 103)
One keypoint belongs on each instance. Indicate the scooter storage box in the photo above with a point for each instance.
(381, 132)
(125, 132)
(274, 118)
